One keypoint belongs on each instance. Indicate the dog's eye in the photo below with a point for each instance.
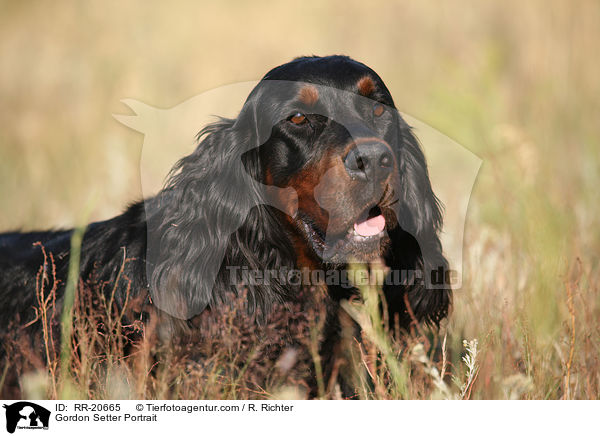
(378, 109)
(298, 118)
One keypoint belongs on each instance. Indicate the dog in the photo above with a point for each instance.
(317, 173)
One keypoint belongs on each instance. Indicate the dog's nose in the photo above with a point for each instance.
(370, 161)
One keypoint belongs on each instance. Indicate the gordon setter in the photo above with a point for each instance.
(318, 172)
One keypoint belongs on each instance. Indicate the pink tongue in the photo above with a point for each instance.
(370, 227)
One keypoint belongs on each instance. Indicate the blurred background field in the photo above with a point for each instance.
(514, 82)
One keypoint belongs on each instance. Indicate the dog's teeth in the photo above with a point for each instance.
(359, 238)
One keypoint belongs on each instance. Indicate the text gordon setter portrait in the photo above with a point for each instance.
(252, 237)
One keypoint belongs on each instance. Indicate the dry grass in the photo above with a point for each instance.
(103, 357)
(514, 82)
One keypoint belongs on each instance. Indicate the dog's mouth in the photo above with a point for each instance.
(369, 225)
(362, 241)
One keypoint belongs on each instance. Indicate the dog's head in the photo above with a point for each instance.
(328, 128)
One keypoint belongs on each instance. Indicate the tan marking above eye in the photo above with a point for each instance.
(308, 95)
(366, 86)
(378, 109)
(298, 118)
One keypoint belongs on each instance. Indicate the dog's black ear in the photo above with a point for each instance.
(416, 250)
(190, 221)
(211, 223)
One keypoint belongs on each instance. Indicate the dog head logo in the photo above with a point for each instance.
(26, 415)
